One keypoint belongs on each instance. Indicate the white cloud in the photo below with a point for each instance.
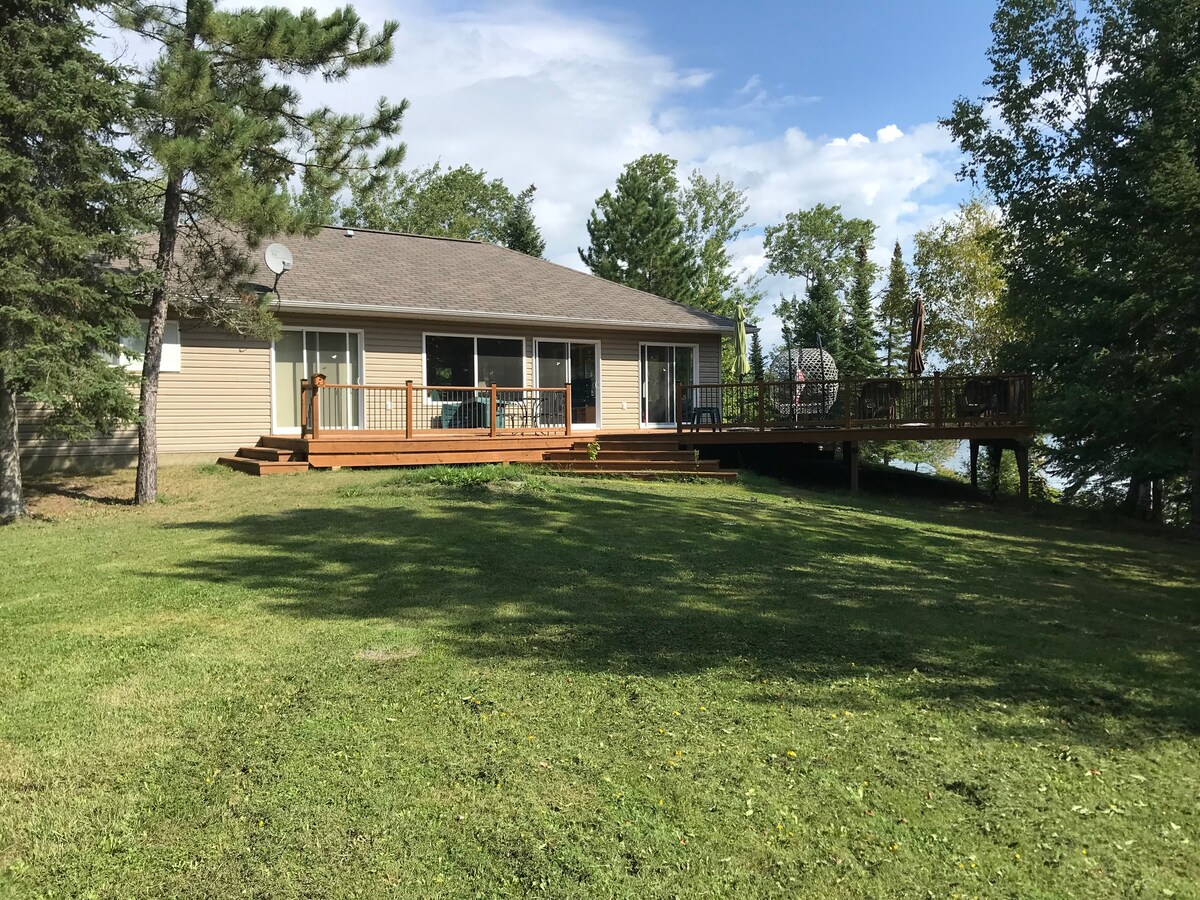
(564, 101)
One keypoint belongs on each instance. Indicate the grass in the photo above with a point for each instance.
(497, 684)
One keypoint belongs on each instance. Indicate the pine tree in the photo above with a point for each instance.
(636, 235)
(64, 205)
(859, 355)
(220, 123)
(894, 312)
(758, 367)
(520, 230)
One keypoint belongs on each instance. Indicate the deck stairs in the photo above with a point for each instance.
(636, 455)
(271, 456)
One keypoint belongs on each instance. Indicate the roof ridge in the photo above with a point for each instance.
(427, 237)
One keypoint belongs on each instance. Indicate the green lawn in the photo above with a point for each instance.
(367, 684)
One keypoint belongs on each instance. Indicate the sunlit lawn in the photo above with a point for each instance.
(358, 684)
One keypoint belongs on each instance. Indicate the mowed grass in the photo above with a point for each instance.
(363, 684)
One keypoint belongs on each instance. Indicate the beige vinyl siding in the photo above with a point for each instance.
(218, 401)
(221, 397)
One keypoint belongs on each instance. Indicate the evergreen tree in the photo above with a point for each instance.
(218, 120)
(520, 230)
(894, 313)
(637, 237)
(859, 356)
(758, 367)
(63, 205)
(1099, 182)
(817, 319)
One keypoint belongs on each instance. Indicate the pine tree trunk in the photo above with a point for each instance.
(1156, 500)
(1194, 505)
(12, 493)
(146, 490)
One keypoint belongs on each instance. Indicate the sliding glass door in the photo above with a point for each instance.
(337, 355)
(662, 365)
(577, 362)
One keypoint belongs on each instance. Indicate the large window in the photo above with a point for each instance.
(456, 361)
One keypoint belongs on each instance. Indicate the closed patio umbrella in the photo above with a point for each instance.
(741, 361)
(916, 359)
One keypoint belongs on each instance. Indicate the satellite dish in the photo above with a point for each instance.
(279, 258)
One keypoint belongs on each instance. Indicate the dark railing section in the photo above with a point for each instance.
(938, 401)
(407, 408)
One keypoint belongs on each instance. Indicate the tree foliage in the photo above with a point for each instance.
(520, 230)
(1087, 139)
(221, 128)
(637, 235)
(65, 208)
(758, 365)
(895, 309)
(714, 212)
(461, 203)
(959, 273)
(817, 241)
(860, 357)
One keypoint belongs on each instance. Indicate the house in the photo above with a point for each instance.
(373, 309)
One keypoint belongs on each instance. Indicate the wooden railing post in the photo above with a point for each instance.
(495, 411)
(408, 408)
(1011, 389)
(679, 407)
(937, 399)
(567, 401)
(844, 387)
(303, 407)
(762, 405)
(317, 382)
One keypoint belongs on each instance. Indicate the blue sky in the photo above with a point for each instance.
(798, 103)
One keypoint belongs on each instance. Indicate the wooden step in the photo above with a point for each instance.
(261, 466)
(630, 446)
(649, 456)
(270, 454)
(283, 442)
(585, 465)
(649, 474)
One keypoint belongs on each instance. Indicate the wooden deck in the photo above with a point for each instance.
(534, 427)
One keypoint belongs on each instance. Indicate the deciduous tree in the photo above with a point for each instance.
(959, 273)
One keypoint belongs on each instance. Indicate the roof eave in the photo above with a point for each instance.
(366, 309)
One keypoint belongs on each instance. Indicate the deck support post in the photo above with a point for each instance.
(316, 382)
(974, 463)
(495, 412)
(853, 466)
(1022, 452)
(303, 407)
(408, 409)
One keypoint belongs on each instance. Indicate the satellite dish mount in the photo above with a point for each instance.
(279, 261)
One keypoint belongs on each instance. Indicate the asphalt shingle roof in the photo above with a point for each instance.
(431, 277)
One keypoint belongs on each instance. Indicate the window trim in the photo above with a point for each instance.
(362, 364)
(475, 356)
(642, 378)
(599, 365)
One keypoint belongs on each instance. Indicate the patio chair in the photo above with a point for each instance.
(981, 398)
(879, 398)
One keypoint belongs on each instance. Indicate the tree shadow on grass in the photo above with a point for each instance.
(621, 580)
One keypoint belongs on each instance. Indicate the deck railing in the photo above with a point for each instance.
(407, 408)
(939, 401)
